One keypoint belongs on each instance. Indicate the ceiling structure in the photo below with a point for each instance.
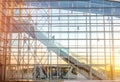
(105, 7)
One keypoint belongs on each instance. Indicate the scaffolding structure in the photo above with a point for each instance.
(91, 38)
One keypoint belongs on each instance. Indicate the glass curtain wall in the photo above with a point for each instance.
(60, 38)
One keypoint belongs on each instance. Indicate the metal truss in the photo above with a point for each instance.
(92, 38)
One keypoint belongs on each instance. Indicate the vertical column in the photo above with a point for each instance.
(11, 13)
(104, 44)
(1, 40)
(113, 61)
(68, 20)
(19, 41)
(20, 57)
(49, 37)
(87, 59)
(90, 42)
(104, 39)
(97, 39)
(4, 18)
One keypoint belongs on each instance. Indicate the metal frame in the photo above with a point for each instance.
(23, 49)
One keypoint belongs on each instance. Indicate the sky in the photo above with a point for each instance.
(59, 26)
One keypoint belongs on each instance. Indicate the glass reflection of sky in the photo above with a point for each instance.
(78, 30)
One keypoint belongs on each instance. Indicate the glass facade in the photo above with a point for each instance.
(42, 40)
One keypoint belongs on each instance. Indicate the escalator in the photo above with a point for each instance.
(83, 68)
